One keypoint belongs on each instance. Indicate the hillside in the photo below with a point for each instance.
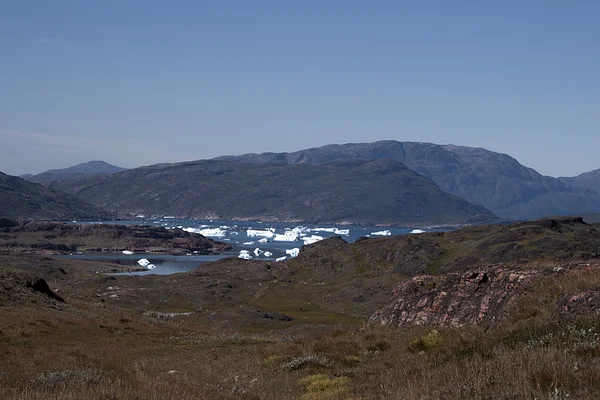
(363, 192)
(588, 180)
(20, 199)
(80, 170)
(495, 181)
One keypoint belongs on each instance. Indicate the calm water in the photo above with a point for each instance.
(280, 237)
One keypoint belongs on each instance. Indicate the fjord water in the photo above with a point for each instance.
(285, 236)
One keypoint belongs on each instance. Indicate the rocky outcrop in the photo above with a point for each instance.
(580, 304)
(59, 238)
(41, 286)
(478, 297)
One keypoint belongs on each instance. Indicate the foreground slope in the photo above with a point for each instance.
(296, 330)
(20, 199)
(79, 170)
(493, 180)
(365, 192)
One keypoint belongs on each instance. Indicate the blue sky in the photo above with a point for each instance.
(141, 82)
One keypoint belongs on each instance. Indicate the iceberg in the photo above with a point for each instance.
(248, 243)
(214, 232)
(293, 252)
(143, 262)
(335, 231)
(312, 239)
(127, 252)
(150, 266)
(258, 232)
(381, 233)
(257, 251)
(245, 255)
(281, 259)
(268, 254)
(288, 236)
(417, 231)
(263, 240)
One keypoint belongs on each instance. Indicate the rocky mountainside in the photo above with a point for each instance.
(80, 170)
(493, 180)
(20, 199)
(365, 192)
(587, 180)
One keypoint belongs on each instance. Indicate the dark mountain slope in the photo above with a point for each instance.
(588, 180)
(366, 192)
(85, 169)
(27, 200)
(493, 180)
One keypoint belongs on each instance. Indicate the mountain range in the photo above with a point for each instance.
(375, 192)
(79, 170)
(493, 180)
(22, 199)
(385, 182)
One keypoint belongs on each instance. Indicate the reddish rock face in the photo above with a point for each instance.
(580, 304)
(478, 297)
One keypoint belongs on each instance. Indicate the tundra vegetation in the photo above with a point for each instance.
(502, 312)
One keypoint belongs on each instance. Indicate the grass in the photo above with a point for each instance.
(73, 356)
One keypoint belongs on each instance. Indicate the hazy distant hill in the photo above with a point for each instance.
(496, 181)
(20, 199)
(588, 180)
(367, 192)
(88, 168)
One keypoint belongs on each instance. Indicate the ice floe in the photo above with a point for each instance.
(143, 262)
(245, 254)
(263, 240)
(248, 243)
(312, 239)
(335, 231)
(268, 254)
(417, 231)
(212, 232)
(259, 232)
(288, 236)
(150, 266)
(257, 251)
(281, 259)
(293, 252)
(127, 252)
(381, 233)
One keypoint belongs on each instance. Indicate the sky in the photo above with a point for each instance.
(141, 82)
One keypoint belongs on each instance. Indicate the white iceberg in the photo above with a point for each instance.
(263, 240)
(257, 251)
(288, 236)
(312, 239)
(281, 259)
(293, 252)
(268, 254)
(213, 232)
(335, 231)
(382, 233)
(417, 231)
(258, 232)
(245, 255)
(248, 243)
(150, 266)
(127, 252)
(143, 262)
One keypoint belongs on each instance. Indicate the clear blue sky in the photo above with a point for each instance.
(141, 82)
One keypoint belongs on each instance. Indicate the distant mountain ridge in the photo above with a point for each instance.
(493, 180)
(20, 199)
(382, 192)
(79, 170)
(587, 180)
